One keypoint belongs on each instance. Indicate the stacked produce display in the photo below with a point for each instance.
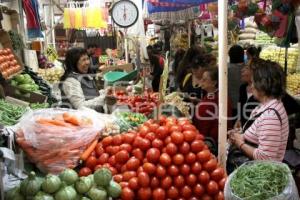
(293, 84)
(277, 54)
(53, 74)
(164, 159)
(144, 104)
(67, 186)
(8, 64)
(10, 113)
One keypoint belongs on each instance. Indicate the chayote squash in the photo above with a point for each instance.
(102, 177)
(31, 186)
(51, 184)
(69, 176)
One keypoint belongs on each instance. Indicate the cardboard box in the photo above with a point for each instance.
(6, 43)
(17, 93)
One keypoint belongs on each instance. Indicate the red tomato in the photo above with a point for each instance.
(222, 183)
(157, 143)
(123, 184)
(173, 170)
(91, 162)
(140, 169)
(127, 194)
(212, 188)
(190, 158)
(85, 171)
(99, 150)
(178, 159)
(160, 171)
(191, 180)
(145, 144)
(122, 156)
(128, 138)
(185, 169)
(123, 168)
(133, 183)
(179, 181)
(217, 174)
(189, 135)
(189, 127)
(172, 193)
(153, 127)
(175, 128)
(153, 155)
(149, 168)
(137, 142)
(112, 150)
(158, 194)
(126, 147)
(150, 136)
(162, 119)
(165, 160)
(186, 192)
(203, 177)
(162, 132)
(143, 179)
(199, 136)
(112, 160)
(118, 178)
(168, 140)
(198, 190)
(138, 154)
(133, 164)
(166, 182)
(113, 170)
(154, 182)
(184, 148)
(164, 150)
(128, 175)
(196, 168)
(177, 137)
(210, 165)
(219, 196)
(197, 146)
(97, 167)
(107, 141)
(144, 193)
(206, 197)
(117, 140)
(203, 156)
(143, 130)
(171, 149)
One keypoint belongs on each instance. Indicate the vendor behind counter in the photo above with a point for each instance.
(78, 88)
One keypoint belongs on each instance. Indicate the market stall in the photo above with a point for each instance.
(145, 145)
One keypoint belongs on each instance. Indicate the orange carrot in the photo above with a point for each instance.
(71, 119)
(53, 122)
(89, 150)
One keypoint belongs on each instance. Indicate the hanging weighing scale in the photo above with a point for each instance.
(124, 13)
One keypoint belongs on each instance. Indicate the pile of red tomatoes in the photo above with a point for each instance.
(164, 159)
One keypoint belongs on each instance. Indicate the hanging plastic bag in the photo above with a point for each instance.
(54, 139)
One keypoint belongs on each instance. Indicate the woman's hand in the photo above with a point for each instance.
(236, 137)
(237, 124)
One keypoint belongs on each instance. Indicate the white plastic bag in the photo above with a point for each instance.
(289, 193)
(51, 142)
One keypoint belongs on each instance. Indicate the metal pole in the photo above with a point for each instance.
(223, 81)
(286, 60)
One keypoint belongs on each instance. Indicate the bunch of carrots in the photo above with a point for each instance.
(58, 143)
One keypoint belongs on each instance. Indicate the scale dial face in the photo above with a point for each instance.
(125, 13)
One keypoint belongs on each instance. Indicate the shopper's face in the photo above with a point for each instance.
(83, 64)
(207, 83)
(246, 74)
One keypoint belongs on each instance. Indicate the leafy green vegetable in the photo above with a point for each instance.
(259, 181)
(9, 113)
(36, 106)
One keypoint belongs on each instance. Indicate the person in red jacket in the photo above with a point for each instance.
(206, 113)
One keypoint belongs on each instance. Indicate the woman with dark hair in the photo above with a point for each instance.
(77, 87)
(184, 66)
(253, 52)
(206, 115)
(265, 134)
(190, 84)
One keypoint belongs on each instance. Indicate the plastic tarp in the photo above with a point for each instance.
(175, 9)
